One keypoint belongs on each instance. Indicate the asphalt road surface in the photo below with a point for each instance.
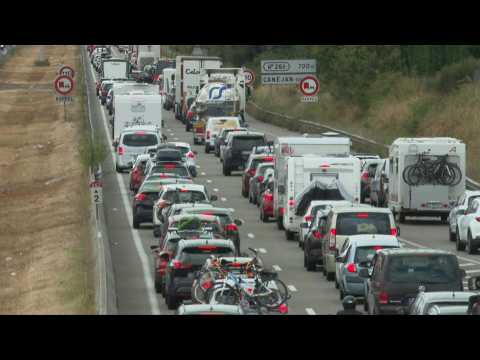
(130, 248)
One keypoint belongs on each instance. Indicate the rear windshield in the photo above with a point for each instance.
(185, 197)
(183, 150)
(245, 143)
(363, 223)
(426, 269)
(173, 155)
(199, 254)
(366, 253)
(224, 218)
(218, 124)
(151, 187)
(176, 169)
(140, 140)
(196, 224)
(223, 109)
(256, 162)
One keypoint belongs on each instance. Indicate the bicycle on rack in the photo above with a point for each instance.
(434, 172)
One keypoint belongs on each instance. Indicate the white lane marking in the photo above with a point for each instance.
(198, 166)
(251, 236)
(203, 174)
(223, 199)
(216, 190)
(136, 238)
(467, 265)
(292, 288)
(13, 274)
(115, 209)
(472, 271)
(424, 247)
(310, 311)
(176, 139)
(276, 268)
(8, 258)
(262, 251)
(209, 181)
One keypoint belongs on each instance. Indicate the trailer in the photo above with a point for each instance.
(187, 78)
(285, 147)
(313, 177)
(416, 188)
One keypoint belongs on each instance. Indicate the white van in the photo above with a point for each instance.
(434, 195)
(312, 177)
(133, 142)
(168, 88)
(215, 125)
(285, 147)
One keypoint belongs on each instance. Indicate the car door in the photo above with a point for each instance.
(455, 214)
(344, 255)
(374, 283)
(464, 221)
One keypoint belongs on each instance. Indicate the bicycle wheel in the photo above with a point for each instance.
(199, 294)
(277, 294)
(405, 173)
(415, 175)
(223, 293)
(457, 174)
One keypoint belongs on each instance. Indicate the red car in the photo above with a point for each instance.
(251, 169)
(137, 174)
(266, 203)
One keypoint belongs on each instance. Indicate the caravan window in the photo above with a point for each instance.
(140, 139)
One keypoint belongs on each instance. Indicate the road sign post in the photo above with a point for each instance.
(96, 193)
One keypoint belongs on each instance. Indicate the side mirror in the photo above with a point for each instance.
(238, 222)
(213, 198)
(398, 230)
(364, 274)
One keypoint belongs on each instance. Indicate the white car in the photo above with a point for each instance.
(190, 158)
(468, 228)
(457, 212)
(214, 126)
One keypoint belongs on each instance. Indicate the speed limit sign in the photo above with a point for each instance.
(249, 77)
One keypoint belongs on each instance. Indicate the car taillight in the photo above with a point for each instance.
(189, 115)
(231, 227)
(383, 298)
(183, 190)
(121, 150)
(207, 247)
(260, 178)
(251, 172)
(393, 232)
(351, 268)
(365, 175)
(268, 197)
(178, 265)
(362, 216)
(281, 211)
(140, 197)
(208, 134)
(308, 218)
(333, 239)
(191, 155)
(268, 158)
(478, 219)
(291, 202)
(317, 234)
(283, 309)
(207, 285)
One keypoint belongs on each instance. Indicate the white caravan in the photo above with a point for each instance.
(284, 147)
(413, 194)
(115, 69)
(313, 177)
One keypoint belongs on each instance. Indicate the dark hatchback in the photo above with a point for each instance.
(238, 150)
(142, 206)
(395, 276)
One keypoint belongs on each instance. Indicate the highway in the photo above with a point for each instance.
(130, 249)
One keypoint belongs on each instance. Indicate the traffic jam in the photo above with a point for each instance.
(166, 118)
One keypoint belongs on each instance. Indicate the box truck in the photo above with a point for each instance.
(426, 176)
(285, 147)
(314, 177)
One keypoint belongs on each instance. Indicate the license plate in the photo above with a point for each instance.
(434, 206)
(241, 167)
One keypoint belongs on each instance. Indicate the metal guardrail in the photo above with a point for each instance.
(470, 183)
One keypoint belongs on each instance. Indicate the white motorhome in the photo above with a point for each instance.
(411, 193)
(130, 87)
(136, 109)
(313, 177)
(187, 77)
(284, 147)
(115, 69)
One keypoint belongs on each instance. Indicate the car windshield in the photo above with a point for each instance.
(366, 253)
(140, 140)
(423, 268)
(199, 254)
(179, 170)
(363, 223)
(188, 196)
(246, 143)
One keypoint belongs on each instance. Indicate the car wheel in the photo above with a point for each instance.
(245, 194)
(171, 301)
(207, 149)
(136, 223)
(226, 170)
(324, 271)
(158, 284)
(280, 224)
(311, 266)
(336, 285)
(453, 236)
(365, 305)
(342, 294)
(459, 245)
(401, 218)
(471, 249)
(289, 235)
(330, 276)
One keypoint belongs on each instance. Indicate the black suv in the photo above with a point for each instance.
(239, 148)
(190, 257)
(395, 276)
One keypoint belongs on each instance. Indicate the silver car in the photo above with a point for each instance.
(356, 252)
(441, 303)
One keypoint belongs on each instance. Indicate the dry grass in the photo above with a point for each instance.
(44, 242)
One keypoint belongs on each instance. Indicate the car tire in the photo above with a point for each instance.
(459, 245)
(280, 224)
(289, 235)
(401, 218)
(207, 149)
(342, 294)
(158, 284)
(471, 250)
(453, 236)
(171, 300)
(330, 276)
(135, 223)
(310, 265)
(263, 217)
(337, 286)
(226, 170)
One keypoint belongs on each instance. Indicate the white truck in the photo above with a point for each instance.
(426, 176)
(284, 147)
(187, 78)
(313, 177)
(136, 109)
(115, 69)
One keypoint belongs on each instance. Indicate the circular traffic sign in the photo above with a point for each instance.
(310, 86)
(66, 71)
(249, 77)
(63, 85)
